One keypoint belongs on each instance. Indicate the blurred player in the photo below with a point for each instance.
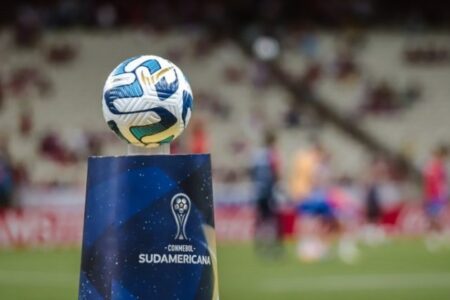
(309, 188)
(373, 233)
(265, 174)
(6, 177)
(345, 200)
(198, 142)
(436, 195)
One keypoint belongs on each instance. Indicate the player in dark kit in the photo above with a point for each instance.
(265, 175)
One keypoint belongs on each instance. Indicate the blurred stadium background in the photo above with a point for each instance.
(356, 93)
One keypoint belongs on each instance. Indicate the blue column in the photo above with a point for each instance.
(149, 229)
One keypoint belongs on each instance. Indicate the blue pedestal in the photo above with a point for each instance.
(149, 229)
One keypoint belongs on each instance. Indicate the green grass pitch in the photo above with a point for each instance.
(400, 269)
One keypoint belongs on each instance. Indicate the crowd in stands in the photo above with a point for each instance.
(383, 97)
(221, 14)
(82, 145)
(430, 54)
(378, 95)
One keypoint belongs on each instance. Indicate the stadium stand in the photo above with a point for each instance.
(236, 93)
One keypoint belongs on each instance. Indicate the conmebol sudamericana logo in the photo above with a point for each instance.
(181, 207)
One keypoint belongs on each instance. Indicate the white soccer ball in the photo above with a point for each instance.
(147, 101)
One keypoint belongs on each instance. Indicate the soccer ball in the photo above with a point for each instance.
(147, 101)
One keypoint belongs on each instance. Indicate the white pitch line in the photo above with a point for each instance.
(358, 282)
(37, 278)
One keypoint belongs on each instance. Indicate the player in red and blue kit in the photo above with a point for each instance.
(436, 192)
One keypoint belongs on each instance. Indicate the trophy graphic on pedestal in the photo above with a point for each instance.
(149, 220)
(181, 206)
